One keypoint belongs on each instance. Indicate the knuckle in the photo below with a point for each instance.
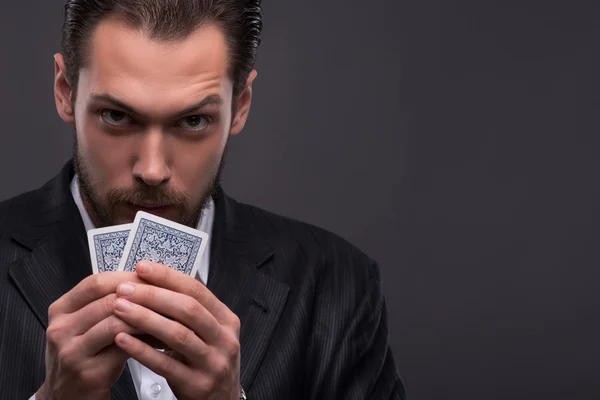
(53, 311)
(183, 336)
(198, 291)
(114, 325)
(138, 349)
(56, 332)
(150, 293)
(192, 308)
(52, 334)
(96, 285)
(235, 348)
(165, 367)
(67, 357)
(232, 345)
(109, 303)
(235, 322)
(220, 367)
(165, 272)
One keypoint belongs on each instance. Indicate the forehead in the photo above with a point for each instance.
(155, 75)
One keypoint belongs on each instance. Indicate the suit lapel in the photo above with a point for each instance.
(54, 234)
(59, 259)
(237, 253)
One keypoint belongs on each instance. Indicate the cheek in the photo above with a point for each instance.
(196, 164)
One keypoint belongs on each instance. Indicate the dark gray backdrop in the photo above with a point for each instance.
(454, 141)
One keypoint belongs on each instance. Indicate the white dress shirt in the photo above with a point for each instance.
(148, 385)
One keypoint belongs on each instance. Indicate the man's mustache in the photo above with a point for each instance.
(154, 196)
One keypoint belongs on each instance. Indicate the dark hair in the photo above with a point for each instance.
(166, 20)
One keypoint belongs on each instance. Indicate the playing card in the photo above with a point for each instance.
(106, 246)
(165, 242)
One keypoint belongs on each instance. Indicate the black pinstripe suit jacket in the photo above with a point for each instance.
(314, 322)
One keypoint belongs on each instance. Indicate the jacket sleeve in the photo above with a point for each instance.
(349, 354)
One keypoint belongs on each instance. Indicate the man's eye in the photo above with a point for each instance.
(115, 117)
(194, 123)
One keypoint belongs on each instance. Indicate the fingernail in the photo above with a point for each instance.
(125, 339)
(122, 305)
(144, 267)
(126, 289)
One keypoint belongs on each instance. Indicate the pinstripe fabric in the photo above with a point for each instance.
(313, 317)
(43, 254)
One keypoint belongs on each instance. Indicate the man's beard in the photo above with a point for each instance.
(102, 212)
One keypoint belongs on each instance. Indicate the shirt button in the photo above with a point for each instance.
(155, 389)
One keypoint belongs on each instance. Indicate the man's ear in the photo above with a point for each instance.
(244, 101)
(62, 90)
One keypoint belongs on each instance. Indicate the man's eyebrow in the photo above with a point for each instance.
(212, 99)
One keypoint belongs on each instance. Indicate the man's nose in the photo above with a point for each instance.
(152, 163)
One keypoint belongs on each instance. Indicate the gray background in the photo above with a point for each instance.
(454, 141)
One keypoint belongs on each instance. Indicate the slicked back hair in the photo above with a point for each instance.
(166, 21)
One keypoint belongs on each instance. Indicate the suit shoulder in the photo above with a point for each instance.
(6, 211)
(14, 208)
(310, 242)
(5, 206)
(13, 213)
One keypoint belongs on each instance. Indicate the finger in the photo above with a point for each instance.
(109, 363)
(151, 341)
(176, 336)
(112, 355)
(102, 335)
(174, 371)
(84, 319)
(90, 289)
(168, 278)
(183, 308)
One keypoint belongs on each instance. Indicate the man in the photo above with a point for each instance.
(154, 89)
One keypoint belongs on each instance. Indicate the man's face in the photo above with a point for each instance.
(152, 122)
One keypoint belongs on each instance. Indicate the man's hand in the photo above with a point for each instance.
(201, 332)
(82, 361)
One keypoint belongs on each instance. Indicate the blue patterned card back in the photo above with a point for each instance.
(108, 249)
(164, 243)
